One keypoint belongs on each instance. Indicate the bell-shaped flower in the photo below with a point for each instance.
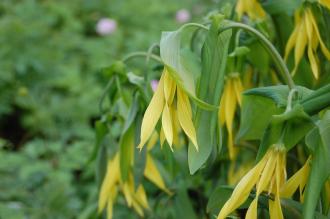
(135, 198)
(230, 99)
(306, 34)
(171, 104)
(268, 175)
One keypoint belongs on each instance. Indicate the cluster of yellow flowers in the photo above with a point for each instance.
(135, 198)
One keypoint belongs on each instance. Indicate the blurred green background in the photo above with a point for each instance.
(51, 54)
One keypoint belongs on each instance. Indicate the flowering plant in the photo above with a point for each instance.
(225, 98)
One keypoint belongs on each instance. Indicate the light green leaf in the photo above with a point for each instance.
(287, 128)
(214, 56)
(174, 61)
(319, 140)
(279, 94)
(256, 114)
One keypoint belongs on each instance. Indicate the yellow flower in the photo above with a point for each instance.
(163, 103)
(306, 33)
(137, 199)
(231, 97)
(251, 7)
(268, 175)
(299, 179)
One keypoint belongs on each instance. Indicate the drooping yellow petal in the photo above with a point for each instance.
(151, 172)
(252, 211)
(176, 125)
(291, 42)
(230, 105)
(112, 176)
(299, 179)
(243, 188)
(313, 61)
(300, 44)
(169, 87)
(267, 173)
(324, 49)
(167, 125)
(275, 210)
(230, 108)
(152, 114)
(185, 116)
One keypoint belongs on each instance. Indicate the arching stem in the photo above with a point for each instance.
(279, 62)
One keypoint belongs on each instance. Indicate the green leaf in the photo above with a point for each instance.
(176, 64)
(214, 56)
(319, 140)
(101, 130)
(183, 206)
(127, 141)
(279, 94)
(140, 157)
(256, 114)
(126, 152)
(101, 164)
(287, 128)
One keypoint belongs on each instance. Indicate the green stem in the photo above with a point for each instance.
(269, 47)
(143, 54)
(201, 26)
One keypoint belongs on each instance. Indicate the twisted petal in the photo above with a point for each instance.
(291, 42)
(152, 114)
(301, 43)
(299, 179)
(185, 116)
(253, 209)
(323, 47)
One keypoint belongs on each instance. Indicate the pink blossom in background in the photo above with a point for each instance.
(106, 26)
(154, 85)
(182, 16)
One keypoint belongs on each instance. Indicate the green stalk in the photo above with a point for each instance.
(143, 54)
(279, 62)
